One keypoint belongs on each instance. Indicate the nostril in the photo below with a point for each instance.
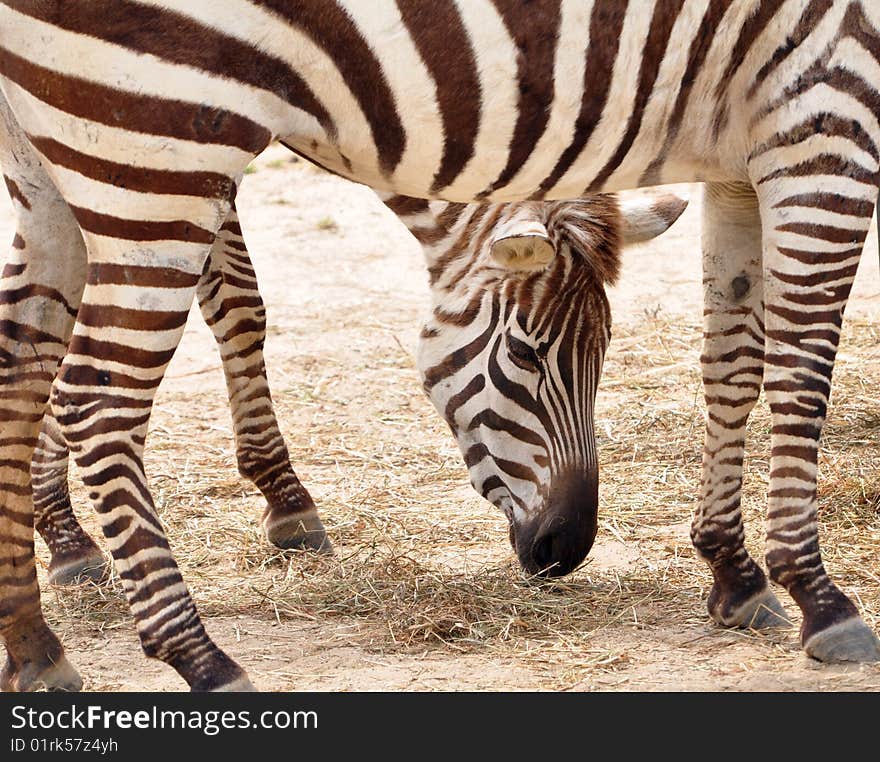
(542, 551)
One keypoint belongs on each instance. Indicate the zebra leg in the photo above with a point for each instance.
(231, 304)
(232, 307)
(39, 293)
(102, 399)
(732, 362)
(812, 244)
(146, 253)
(75, 556)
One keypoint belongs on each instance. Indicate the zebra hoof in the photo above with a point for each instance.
(59, 675)
(760, 612)
(74, 570)
(848, 641)
(302, 531)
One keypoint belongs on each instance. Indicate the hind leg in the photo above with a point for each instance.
(232, 307)
(732, 363)
(75, 556)
(39, 294)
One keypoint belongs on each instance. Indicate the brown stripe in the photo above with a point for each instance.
(699, 49)
(232, 226)
(17, 242)
(802, 493)
(804, 318)
(825, 164)
(249, 304)
(140, 230)
(606, 24)
(443, 43)
(830, 233)
(334, 32)
(428, 236)
(465, 315)
(854, 85)
(406, 205)
(144, 113)
(9, 329)
(827, 124)
(245, 270)
(808, 21)
(752, 28)
(798, 386)
(108, 316)
(104, 273)
(243, 327)
(800, 430)
(451, 213)
(488, 212)
(182, 40)
(15, 193)
(85, 375)
(98, 350)
(854, 207)
(10, 270)
(140, 179)
(535, 31)
(804, 452)
(458, 359)
(665, 16)
(33, 291)
(856, 25)
(817, 278)
(474, 387)
(825, 257)
(103, 422)
(821, 297)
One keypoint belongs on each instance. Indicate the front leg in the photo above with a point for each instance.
(232, 307)
(732, 363)
(812, 244)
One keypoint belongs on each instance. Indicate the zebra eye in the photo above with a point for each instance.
(522, 355)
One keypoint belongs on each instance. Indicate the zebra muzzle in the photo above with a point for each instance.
(558, 539)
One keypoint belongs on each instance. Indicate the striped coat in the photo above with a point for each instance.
(144, 113)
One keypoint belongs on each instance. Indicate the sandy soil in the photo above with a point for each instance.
(345, 289)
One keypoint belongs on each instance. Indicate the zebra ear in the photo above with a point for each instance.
(645, 215)
(521, 242)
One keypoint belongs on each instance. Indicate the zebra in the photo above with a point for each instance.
(519, 453)
(560, 309)
(144, 113)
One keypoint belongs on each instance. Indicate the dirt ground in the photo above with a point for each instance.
(423, 593)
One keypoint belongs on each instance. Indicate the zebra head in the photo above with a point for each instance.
(513, 350)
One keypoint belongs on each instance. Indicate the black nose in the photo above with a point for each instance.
(555, 542)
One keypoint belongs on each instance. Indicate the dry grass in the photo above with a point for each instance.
(422, 562)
